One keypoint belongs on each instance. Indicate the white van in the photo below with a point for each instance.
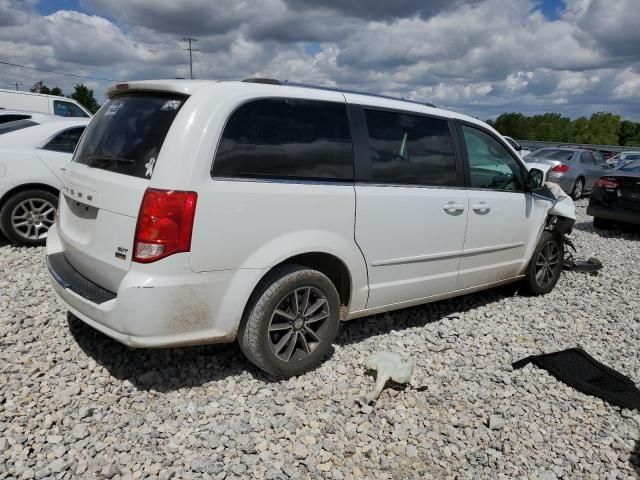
(199, 212)
(39, 102)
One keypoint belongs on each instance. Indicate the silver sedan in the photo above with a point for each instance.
(574, 169)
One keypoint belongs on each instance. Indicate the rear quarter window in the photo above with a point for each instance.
(283, 138)
(127, 133)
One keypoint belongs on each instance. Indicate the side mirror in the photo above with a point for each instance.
(535, 180)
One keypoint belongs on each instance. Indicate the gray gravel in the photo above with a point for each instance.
(75, 404)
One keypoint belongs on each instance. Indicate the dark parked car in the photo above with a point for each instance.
(616, 196)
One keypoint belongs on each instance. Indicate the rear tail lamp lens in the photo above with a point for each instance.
(164, 224)
(605, 183)
(562, 168)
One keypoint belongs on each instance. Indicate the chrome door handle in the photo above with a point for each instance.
(452, 208)
(481, 208)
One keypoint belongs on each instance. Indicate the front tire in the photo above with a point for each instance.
(291, 321)
(543, 271)
(578, 189)
(26, 217)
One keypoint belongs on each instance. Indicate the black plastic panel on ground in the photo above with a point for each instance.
(70, 278)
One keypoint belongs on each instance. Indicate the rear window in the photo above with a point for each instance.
(127, 133)
(16, 125)
(553, 154)
(632, 166)
(286, 139)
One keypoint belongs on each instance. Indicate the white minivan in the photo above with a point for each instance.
(199, 212)
(42, 103)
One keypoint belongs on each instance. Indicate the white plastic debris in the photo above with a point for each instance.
(389, 366)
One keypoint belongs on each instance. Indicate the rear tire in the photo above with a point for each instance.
(601, 223)
(578, 189)
(290, 321)
(26, 217)
(543, 271)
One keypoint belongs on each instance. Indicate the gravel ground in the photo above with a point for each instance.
(75, 404)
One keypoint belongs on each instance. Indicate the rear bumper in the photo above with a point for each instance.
(161, 310)
(566, 183)
(617, 214)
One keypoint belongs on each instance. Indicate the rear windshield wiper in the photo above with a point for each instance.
(109, 158)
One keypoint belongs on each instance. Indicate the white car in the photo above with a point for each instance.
(621, 158)
(199, 212)
(33, 155)
(43, 103)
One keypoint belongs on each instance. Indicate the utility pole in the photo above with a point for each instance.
(189, 39)
(17, 84)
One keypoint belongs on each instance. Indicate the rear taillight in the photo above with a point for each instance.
(560, 168)
(606, 183)
(164, 224)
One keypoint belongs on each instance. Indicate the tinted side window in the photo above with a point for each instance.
(16, 125)
(65, 141)
(491, 166)
(410, 150)
(286, 139)
(13, 118)
(586, 158)
(67, 109)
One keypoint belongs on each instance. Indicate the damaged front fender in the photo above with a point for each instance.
(562, 211)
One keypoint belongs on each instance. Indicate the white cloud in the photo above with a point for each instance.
(479, 56)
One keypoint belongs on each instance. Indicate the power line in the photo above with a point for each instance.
(58, 73)
(189, 39)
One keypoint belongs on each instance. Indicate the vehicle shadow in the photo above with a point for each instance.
(617, 230)
(168, 369)
(163, 369)
(360, 329)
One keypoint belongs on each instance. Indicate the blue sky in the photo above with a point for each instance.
(551, 9)
(481, 57)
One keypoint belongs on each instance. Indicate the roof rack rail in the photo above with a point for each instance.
(357, 92)
(268, 81)
(273, 81)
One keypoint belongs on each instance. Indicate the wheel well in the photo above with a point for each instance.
(329, 265)
(28, 186)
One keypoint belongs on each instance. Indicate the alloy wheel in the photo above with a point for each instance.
(32, 218)
(546, 264)
(298, 324)
(578, 189)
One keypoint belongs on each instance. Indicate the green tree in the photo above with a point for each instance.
(629, 133)
(550, 127)
(40, 87)
(580, 131)
(514, 125)
(604, 128)
(84, 96)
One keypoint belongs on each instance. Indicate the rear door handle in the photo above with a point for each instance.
(453, 208)
(481, 208)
